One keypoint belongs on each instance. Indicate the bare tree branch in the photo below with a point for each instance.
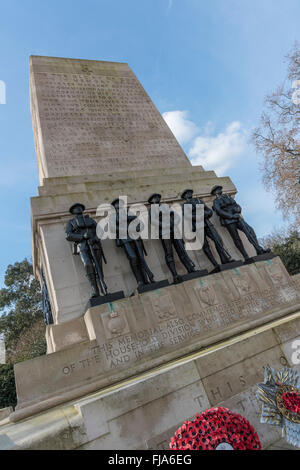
(277, 139)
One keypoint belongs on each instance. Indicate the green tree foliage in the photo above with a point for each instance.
(289, 252)
(31, 343)
(287, 246)
(20, 302)
(8, 396)
(21, 324)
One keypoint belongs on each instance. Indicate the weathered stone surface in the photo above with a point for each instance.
(156, 389)
(281, 445)
(288, 331)
(59, 429)
(246, 404)
(239, 377)
(291, 351)
(243, 350)
(69, 289)
(65, 334)
(5, 412)
(135, 334)
(89, 116)
(144, 413)
(289, 335)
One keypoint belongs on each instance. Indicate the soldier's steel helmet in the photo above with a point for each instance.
(214, 189)
(153, 196)
(77, 204)
(186, 191)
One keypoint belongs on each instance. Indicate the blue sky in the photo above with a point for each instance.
(206, 65)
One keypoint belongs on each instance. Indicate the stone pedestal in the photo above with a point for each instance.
(68, 287)
(121, 339)
(100, 138)
(144, 411)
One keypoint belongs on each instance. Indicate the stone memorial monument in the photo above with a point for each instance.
(125, 373)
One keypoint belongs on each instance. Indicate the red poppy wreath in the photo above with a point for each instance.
(216, 429)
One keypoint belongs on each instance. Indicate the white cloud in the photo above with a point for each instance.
(218, 152)
(225, 150)
(183, 129)
(214, 152)
(252, 198)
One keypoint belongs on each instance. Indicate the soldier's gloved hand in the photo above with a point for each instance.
(236, 216)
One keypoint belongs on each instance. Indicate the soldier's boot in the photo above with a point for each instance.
(149, 274)
(176, 277)
(144, 276)
(223, 256)
(93, 282)
(210, 256)
(188, 263)
(253, 240)
(259, 249)
(137, 274)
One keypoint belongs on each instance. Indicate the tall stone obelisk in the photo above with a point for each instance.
(98, 136)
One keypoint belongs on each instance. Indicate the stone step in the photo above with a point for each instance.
(120, 174)
(102, 184)
(170, 190)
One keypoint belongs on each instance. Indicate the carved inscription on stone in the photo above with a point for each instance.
(171, 328)
(92, 116)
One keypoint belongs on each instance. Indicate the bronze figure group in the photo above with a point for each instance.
(81, 230)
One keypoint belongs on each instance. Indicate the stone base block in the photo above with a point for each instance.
(5, 412)
(104, 299)
(225, 267)
(130, 336)
(153, 286)
(65, 335)
(262, 257)
(194, 275)
(144, 412)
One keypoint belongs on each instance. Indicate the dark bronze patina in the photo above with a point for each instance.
(134, 249)
(168, 244)
(229, 212)
(82, 231)
(209, 230)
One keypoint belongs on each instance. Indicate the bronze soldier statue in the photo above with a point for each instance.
(169, 243)
(230, 215)
(209, 230)
(134, 249)
(82, 231)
